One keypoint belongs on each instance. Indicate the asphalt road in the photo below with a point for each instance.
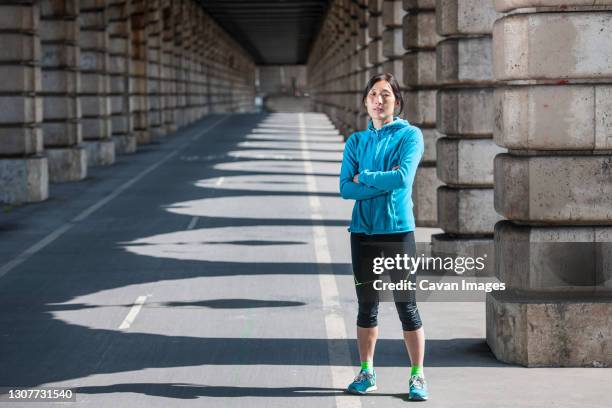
(212, 268)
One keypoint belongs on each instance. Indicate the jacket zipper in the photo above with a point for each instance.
(377, 139)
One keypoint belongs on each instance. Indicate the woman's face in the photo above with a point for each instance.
(381, 102)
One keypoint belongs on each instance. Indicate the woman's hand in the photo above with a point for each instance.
(356, 176)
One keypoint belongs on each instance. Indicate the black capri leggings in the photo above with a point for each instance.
(367, 296)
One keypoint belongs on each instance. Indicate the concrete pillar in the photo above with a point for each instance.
(419, 38)
(338, 64)
(138, 73)
(168, 67)
(393, 46)
(375, 31)
(95, 83)
(179, 69)
(23, 168)
(189, 65)
(211, 71)
(200, 28)
(363, 63)
(465, 118)
(208, 69)
(119, 28)
(352, 99)
(554, 186)
(153, 31)
(62, 132)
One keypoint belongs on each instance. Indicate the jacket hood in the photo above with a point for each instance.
(397, 123)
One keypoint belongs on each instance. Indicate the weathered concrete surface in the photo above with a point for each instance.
(554, 189)
(466, 210)
(24, 180)
(465, 17)
(424, 196)
(100, 153)
(430, 139)
(465, 112)
(554, 258)
(414, 5)
(420, 30)
(551, 117)
(420, 68)
(421, 106)
(392, 43)
(464, 61)
(467, 162)
(23, 170)
(66, 164)
(94, 66)
(508, 5)
(553, 46)
(558, 330)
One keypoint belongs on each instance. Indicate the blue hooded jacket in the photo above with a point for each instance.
(383, 196)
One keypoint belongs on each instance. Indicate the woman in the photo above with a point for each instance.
(378, 169)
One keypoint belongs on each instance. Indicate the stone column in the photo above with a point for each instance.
(554, 186)
(330, 70)
(153, 37)
(138, 73)
(208, 70)
(375, 30)
(199, 59)
(188, 46)
(393, 47)
(419, 75)
(318, 65)
(465, 118)
(363, 63)
(343, 70)
(23, 169)
(168, 67)
(119, 28)
(95, 83)
(179, 55)
(62, 133)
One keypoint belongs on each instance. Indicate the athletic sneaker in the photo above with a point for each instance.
(418, 388)
(363, 383)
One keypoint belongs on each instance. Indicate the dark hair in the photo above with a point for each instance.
(394, 86)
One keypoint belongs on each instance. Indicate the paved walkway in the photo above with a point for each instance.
(212, 269)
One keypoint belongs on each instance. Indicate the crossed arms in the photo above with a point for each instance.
(369, 184)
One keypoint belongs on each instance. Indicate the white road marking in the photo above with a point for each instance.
(131, 316)
(220, 181)
(25, 255)
(192, 223)
(338, 349)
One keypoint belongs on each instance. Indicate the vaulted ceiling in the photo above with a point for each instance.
(272, 31)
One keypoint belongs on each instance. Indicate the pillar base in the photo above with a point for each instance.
(445, 245)
(171, 128)
(67, 164)
(157, 132)
(100, 152)
(143, 137)
(550, 330)
(24, 180)
(425, 197)
(125, 144)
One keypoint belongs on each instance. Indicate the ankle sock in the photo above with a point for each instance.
(417, 370)
(368, 366)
